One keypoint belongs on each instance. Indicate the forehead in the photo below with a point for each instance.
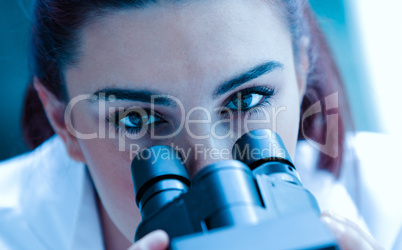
(176, 46)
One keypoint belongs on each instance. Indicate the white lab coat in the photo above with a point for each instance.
(47, 199)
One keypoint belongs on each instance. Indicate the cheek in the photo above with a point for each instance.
(287, 116)
(111, 173)
(287, 126)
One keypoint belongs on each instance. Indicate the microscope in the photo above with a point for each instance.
(255, 201)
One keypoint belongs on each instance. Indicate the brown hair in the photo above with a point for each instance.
(55, 38)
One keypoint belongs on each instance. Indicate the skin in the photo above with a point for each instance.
(186, 51)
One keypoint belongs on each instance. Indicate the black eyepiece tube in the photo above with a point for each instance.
(159, 176)
(259, 146)
(265, 153)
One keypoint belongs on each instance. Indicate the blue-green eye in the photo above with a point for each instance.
(137, 121)
(249, 98)
(134, 121)
(241, 102)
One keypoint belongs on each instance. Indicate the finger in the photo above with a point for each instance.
(349, 235)
(156, 240)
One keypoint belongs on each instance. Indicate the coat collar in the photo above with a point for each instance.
(56, 203)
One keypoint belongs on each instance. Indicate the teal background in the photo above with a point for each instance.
(14, 74)
(334, 17)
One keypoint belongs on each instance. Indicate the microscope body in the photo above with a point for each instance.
(252, 203)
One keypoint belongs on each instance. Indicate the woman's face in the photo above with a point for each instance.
(220, 68)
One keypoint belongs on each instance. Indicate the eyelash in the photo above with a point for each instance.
(118, 126)
(266, 92)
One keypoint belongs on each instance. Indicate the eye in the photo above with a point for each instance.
(135, 121)
(249, 98)
(241, 102)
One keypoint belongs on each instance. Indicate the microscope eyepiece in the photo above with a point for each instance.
(159, 176)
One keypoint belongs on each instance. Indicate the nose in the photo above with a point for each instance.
(197, 153)
(199, 146)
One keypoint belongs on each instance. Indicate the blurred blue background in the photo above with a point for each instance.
(336, 17)
(14, 74)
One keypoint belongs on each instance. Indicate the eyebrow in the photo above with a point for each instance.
(133, 95)
(254, 73)
(164, 100)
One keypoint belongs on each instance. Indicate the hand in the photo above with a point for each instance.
(156, 240)
(349, 235)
